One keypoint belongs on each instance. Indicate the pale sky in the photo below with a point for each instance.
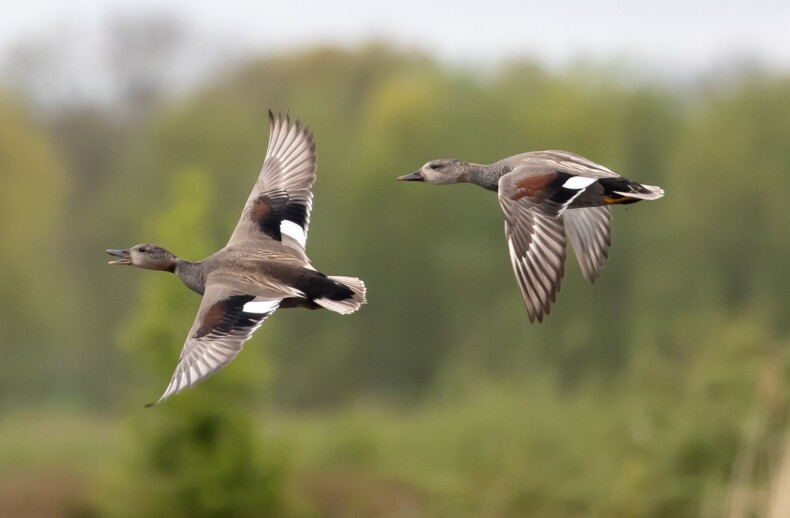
(693, 33)
(662, 37)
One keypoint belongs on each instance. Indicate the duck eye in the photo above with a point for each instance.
(143, 249)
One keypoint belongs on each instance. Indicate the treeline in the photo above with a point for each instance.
(685, 275)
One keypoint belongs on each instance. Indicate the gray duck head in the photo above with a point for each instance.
(150, 257)
(444, 170)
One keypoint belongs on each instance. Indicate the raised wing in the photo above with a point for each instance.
(536, 242)
(564, 161)
(278, 208)
(224, 322)
(589, 231)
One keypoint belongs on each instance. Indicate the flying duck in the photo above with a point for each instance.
(262, 268)
(548, 198)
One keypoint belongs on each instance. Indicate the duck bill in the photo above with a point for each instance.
(123, 256)
(412, 177)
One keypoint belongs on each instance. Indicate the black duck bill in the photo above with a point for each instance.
(123, 255)
(412, 177)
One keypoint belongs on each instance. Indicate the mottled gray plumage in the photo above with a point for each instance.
(548, 198)
(262, 268)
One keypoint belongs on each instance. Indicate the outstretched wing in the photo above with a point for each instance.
(278, 208)
(589, 231)
(536, 242)
(224, 322)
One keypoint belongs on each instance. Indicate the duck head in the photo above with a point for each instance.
(146, 256)
(439, 171)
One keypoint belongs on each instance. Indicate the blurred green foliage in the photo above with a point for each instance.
(634, 398)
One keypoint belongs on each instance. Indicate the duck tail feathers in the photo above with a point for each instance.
(350, 303)
(642, 192)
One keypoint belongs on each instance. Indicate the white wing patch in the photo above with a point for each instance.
(578, 182)
(291, 229)
(261, 306)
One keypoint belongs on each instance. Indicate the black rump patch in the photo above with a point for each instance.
(319, 286)
(610, 185)
(226, 315)
(269, 210)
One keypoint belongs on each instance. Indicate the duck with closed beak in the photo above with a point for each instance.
(548, 198)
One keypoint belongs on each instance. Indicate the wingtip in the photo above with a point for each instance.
(279, 119)
(287, 116)
(162, 398)
(540, 314)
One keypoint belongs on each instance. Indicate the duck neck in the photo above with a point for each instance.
(191, 274)
(484, 176)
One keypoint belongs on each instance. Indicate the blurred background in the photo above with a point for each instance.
(660, 391)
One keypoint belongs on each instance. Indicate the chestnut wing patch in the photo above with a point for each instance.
(270, 209)
(532, 186)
